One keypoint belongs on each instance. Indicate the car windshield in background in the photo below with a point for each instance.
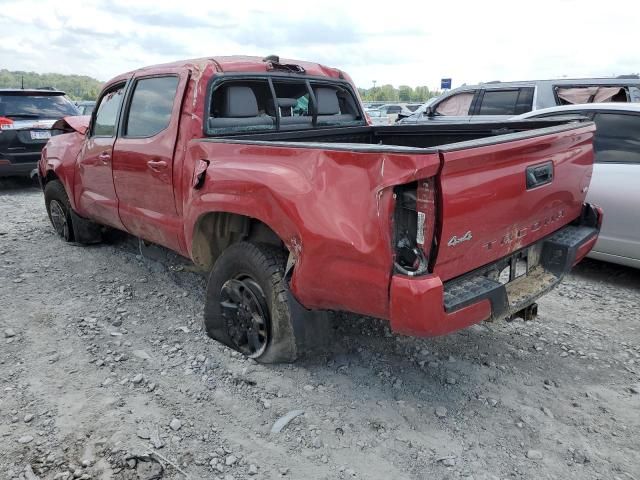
(35, 106)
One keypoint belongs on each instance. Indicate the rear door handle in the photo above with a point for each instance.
(157, 165)
(105, 156)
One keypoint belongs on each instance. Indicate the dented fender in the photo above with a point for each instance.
(59, 157)
(331, 207)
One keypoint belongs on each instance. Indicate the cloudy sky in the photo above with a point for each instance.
(413, 43)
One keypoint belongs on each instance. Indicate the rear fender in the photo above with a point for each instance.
(331, 207)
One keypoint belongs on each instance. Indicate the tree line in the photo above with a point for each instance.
(404, 93)
(80, 87)
(77, 87)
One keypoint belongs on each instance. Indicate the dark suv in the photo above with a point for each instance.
(26, 118)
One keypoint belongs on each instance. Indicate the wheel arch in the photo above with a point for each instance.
(215, 231)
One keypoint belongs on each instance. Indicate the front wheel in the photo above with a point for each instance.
(59, 209)
(250, 309)
(69, 225)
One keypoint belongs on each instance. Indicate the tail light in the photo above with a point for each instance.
(5, 123)
(414, 226)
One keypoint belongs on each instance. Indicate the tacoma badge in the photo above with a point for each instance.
(453, 241)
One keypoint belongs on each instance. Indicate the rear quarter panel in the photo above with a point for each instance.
(331, 207)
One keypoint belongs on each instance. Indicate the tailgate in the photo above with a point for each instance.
(503, 193)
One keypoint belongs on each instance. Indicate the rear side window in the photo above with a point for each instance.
(456, 105)
(107, 113)
(151, 106)
(591, 94)
(36, 106)
(506, 102)
(617, 138)
(394, 109)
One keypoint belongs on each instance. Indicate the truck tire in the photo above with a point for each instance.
(249, 306)
(59, 209)
(68, 224)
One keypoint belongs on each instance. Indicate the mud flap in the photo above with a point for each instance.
(85, 231)
(313, 329)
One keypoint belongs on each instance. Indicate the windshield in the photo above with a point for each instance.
(36, 106)
(423, 108)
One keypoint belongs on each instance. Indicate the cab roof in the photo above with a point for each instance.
(234, 63)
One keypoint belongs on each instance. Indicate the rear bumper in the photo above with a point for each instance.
(425, 306)
(8, 169)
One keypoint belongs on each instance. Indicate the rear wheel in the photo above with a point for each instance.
(250, 309)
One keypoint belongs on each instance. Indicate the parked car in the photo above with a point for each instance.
(502, 100)
(616, 175)
(298, 212)
(85, 107)
(26, 117)
(393, 110)
(377, 118)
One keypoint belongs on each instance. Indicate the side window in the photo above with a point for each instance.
(151, 106)
(590, 94)
(616, 139)
(499, 102)
(456, 105)
(107, 113)
(394, 109)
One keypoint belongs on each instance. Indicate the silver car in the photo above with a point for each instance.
(615, 185)
(501, 100)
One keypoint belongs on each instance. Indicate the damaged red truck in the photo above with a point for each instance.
(268, 175)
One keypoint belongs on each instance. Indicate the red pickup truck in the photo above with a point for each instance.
(267, 174)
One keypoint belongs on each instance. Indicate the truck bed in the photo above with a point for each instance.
(416, 136)
(340, 188)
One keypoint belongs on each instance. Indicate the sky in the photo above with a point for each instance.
(402, 43)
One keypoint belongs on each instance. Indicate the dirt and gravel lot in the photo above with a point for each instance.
(106, 374)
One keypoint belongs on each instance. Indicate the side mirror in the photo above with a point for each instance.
(430, 111)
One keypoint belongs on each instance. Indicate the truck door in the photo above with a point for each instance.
(143, 158)
(95, 193)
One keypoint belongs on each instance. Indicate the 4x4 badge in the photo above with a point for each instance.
(453, 241)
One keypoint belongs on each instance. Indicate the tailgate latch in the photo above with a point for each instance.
(538, 175)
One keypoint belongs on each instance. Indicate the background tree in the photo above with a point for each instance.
(77, 87)
(404, 93)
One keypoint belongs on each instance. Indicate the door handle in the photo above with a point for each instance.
(157, 165)
(105, 156)
(538, 175)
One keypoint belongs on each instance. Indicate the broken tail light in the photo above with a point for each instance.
(414, 226)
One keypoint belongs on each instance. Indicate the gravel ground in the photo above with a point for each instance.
(105, 374)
